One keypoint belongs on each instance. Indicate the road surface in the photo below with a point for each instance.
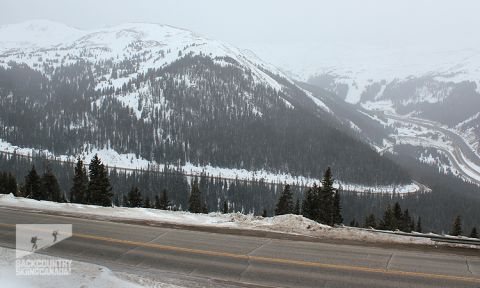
(223, 260)
(461, 151)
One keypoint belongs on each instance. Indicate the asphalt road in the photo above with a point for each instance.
(224, 260)
(461, 148)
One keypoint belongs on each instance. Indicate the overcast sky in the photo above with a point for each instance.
(278, 23)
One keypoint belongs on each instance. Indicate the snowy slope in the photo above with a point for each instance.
(159, 45)
(144, 46)
(359, 67)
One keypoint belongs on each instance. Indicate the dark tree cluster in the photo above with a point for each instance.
(450, 196)
(321, 204)
(43, 187)
(8, 183)
(394, 219)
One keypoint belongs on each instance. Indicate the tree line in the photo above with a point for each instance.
(436, 209)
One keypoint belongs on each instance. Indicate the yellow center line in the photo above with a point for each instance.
(273, 260)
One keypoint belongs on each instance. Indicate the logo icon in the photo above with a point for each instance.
(31, 238)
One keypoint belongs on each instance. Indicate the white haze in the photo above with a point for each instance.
(302, 36)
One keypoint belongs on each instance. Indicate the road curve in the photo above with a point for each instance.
(245, 261)
(460, 152)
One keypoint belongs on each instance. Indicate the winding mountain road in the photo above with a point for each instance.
(463, 158)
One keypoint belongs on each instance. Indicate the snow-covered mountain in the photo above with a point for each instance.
(439, 87)
(168, 95)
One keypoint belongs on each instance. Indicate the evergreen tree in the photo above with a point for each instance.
(147, 203)
(397, 217)
(164, 202)
(406, 221)
(32, 185)
(135, 197)
(78, 192)
(326, 199)
(8, 183)
(457, 227)
(474, 233)
(99, 190)
(370, 221)
(264, 213)
(205, 208)
(195, 201)
(310, 203)
(337, 209)
(225, 207)
(285, 202)
(296, 210)
(124, 201)
(388, 221)
(419, 225)
(49, 187)
(157, 204)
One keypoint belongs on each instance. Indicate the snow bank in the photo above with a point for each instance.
(290, 224)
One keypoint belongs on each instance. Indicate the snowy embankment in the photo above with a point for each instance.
(82, 274)
(289, 224)
(131, 162)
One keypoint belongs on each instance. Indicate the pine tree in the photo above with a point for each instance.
(406, 222)
(225, 207)
(310, 203)
(205, 208)
(326, 198)
(285, 202)
(337, 209)
(50, 188)
(195, 201)
(397, 216)
(474, 233)
(147, 203)
(264, 213)
(164, 202)
(388, 221)
(33, 185)
(8, 183)
(296, 210)
(124, 201)
(457, 227)
(419, 225)
(78, 192)
(370, 221)
(99, 190)
(135, 198)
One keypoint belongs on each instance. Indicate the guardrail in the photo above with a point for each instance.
(433, 237)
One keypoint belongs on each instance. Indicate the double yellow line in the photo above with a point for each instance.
(274, 260)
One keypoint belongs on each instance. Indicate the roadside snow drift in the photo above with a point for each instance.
(290, 224)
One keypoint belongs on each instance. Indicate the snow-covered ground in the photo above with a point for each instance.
(130, 161)
(82, 275)
(292, 224)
